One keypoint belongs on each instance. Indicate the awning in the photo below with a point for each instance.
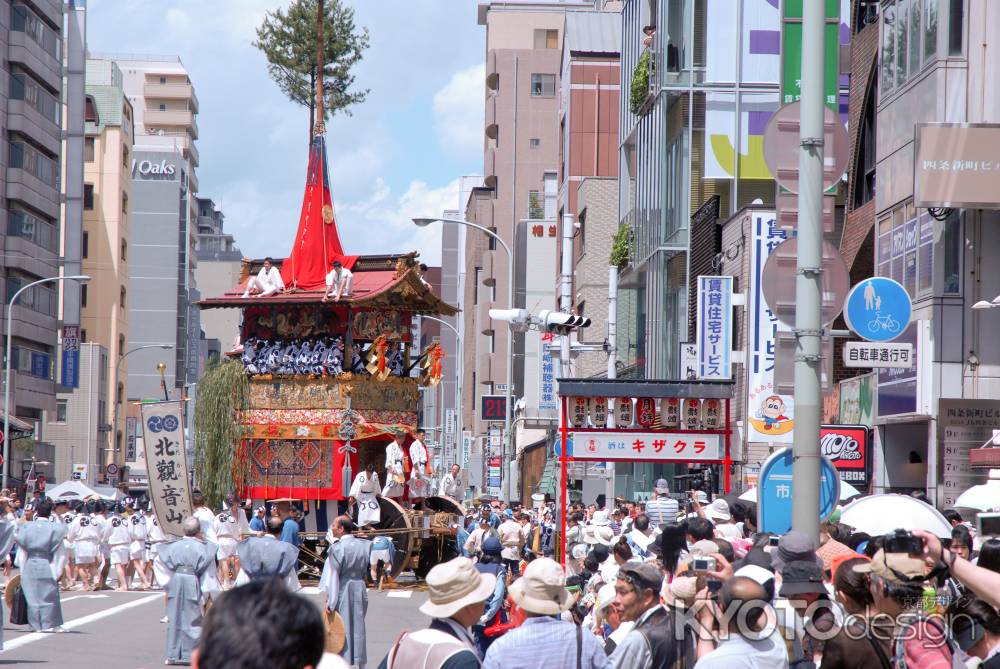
(19, 429)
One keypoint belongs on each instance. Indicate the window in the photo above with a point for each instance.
(85, 245)
(121, 393)
(28, 158)
(163, 107)
(956, 27)
(23, 87)
(41, 298)
(125, 157)
(909, 40)
(90, 114)
(953, 253)
(543, 85)
(121, 345)
(163, 80)
(121, 297)
(904, 249)
(124, 203)
(864, 177)
(546, 39)
(26, 21)
(26, 226)
(475, 285)
(534, 143)
(83, 295)
(88, 197)
(536, 205)
(61, 406)
(83, 334)
(124, 255)
(549, 181)
(31, 362)
(88, 150)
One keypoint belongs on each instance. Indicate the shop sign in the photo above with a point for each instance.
(956, 165)
(848, 447)
(638, 446)
(715, 327)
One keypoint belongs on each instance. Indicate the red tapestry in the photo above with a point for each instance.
(297, 468)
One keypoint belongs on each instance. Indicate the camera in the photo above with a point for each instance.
(703, 564)
(988, 524)
(901, 541)
(773, 540)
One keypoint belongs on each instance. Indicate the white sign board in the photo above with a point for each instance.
(676, 446)
(873, 354)
(166, 462)
(547, 376)
(71, 338)
(715, 328)
(770, 414)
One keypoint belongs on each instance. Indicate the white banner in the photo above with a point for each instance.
(867, 354)
(715, 327)
(676, 446)
(770, 416)
(166, 464)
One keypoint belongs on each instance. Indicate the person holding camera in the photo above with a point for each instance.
(984, 582)
(897, 574)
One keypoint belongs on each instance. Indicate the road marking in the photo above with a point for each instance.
(403, 594)
(78, 622)
(70, 599)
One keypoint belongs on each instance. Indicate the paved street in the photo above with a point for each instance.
(122, 630)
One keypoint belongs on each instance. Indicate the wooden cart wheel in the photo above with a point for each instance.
(393, 518)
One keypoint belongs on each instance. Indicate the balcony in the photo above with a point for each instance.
(158, 91)
(191, 153)
(171, 117)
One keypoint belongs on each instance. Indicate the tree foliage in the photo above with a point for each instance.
(288, 41)
(222, 393)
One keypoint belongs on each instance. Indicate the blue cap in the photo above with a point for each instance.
(491, 546)
(508, 513)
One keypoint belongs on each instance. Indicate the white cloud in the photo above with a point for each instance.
(458, 112)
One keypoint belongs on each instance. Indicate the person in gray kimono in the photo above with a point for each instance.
(343, 581)
(185, 568)
(267, 557)
(7, 529)
(40, 540)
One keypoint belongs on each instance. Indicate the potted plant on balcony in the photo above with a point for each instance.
(621, 247)
(640, 83)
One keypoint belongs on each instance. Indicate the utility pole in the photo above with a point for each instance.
(609, 493)
(808, 281)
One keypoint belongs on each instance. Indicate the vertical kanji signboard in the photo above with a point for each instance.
(166, 462)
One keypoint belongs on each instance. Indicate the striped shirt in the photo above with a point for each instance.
(545, 643)
(661, 511)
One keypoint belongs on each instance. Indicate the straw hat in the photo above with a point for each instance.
(8, 593)
(336, 637)
(600, 519)
(542, 589)
(719, 510)
(455, 584)
(604, 536)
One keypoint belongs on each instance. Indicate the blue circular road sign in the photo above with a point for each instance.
(878, 309)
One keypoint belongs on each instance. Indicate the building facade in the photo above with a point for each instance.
(164, 225)
(78, 427)
(106, 235)
(218, 270)
(31, 86)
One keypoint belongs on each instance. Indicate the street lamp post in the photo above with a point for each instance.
(82, 278)
(117, 398)
(506, 448)
(460, 368)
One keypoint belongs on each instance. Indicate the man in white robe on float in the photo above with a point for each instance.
(395, 474)
(267, 282)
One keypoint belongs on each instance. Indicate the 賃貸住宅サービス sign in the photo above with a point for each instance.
(957, 165)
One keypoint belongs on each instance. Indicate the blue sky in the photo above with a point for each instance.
(399, 155)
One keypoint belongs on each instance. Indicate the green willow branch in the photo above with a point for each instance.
(223, 392)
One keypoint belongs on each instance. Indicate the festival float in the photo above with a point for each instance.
(318, 387)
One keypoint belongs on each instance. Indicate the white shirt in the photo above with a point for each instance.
(511, 538)
(207, 520)
(334, 281)
(742, 653)
(365, 484)
(393, 459)
(451, 487)
(418, 459)
(728, 531)
(270, 278)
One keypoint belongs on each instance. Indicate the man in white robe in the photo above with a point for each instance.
(266, 557)
(394, 471)
(338, 282)
(228, 529)
(364, 492)
(267, 282)
(419, 468)
(451, 484)
(39, 541)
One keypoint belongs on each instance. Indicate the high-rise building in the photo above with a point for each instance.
(106, 235)
(218, 270)
(31, 87)
(164, 231)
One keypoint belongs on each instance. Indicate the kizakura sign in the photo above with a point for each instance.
(166, 463)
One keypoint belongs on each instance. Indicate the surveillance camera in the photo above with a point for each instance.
(576, 225)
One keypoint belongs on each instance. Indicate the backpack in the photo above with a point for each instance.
(907, 621)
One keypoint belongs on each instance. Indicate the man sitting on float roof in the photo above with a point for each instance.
(267, 282)
(338, 282)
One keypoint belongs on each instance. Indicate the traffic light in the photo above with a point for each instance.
(518, 318)
(560, 323)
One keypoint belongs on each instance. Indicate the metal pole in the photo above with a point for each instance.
(115, 398)
(609, 493)
(508, 441)
(460, 370)
(4, 466)
(808, 290)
